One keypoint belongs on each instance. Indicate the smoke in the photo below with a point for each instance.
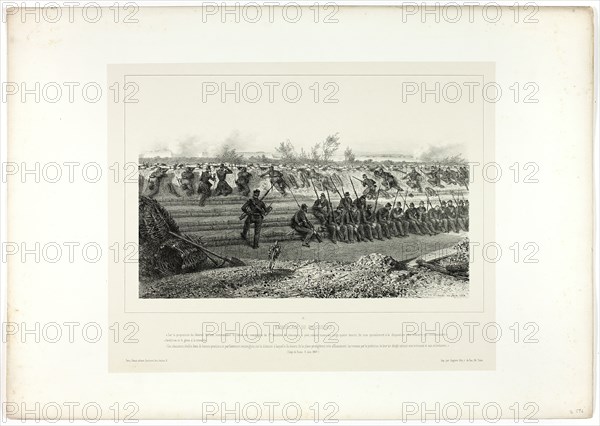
(437, 153)
(194, 146)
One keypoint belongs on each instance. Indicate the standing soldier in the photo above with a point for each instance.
(205, 185)
(383, 220)
(223, 187)
(302, 225)
(396, 217)
(243, 181)
(320, 209)
(187, 180)
(255, 211)
(276, 178)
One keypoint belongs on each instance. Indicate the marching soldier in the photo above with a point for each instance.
(276, 178)
(243, 181)
(187, 180)
(205, 185)
(302, 225)
(255, 211)
(320, 209)
(223, 187)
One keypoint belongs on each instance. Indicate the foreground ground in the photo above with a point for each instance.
(315, 272)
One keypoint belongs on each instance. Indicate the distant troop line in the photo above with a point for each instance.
(283, 179)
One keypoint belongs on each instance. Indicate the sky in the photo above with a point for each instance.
(191, 115)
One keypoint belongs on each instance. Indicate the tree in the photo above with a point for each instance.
(349, 156)
(330, 146)
(315, 155)
(287, 151)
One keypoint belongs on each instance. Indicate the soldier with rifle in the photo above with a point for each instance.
(223, 187)
(397, 218)
(302, 225)
(424, 221)
(382, 216)
(463, 212)
(365, 224)
(370, 186)
(339, 220)
(445, 216)
(355, 231)
(276, 179)
(320, 209)
(255, 211)
(373, 224)
(243, 181)
(452, 213)
(187, 180)
(412, 216)
(154, 180)
(204, 185)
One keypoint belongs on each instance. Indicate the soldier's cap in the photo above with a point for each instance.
(304, 207)
(443, 203)
(449, 201)
(256, 191)
(347, 194)
(412, 204)
(369, 206)
(322, 194)
(421, 202)
(388, 205)
(222, 165)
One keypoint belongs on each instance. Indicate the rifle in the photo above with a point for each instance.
(244, 214)
(452, 194)
(354, 189)
(336, 190)
(428, 202)
(294, 197)
(394, 206)
(361, 181)
(314, 189)
(330, 206)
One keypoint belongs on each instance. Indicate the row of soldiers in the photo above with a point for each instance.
(356, 220)
(297, 177)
